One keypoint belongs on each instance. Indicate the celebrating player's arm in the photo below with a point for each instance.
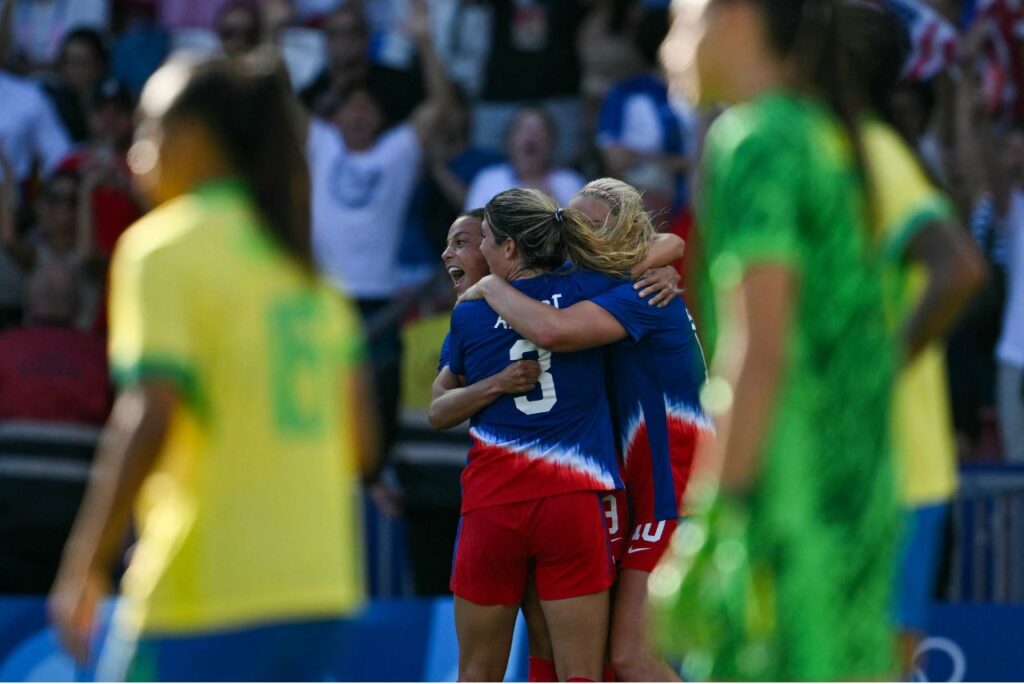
(580, 326)
(439, 88)
(452, 404)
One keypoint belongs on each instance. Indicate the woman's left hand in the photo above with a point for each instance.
(660, 282)
(475, 292)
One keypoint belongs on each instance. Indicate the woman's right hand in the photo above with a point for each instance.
(518, 377)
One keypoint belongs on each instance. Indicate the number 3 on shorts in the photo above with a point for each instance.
(546, 381)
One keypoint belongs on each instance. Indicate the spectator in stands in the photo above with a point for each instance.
(607, 49)
(239, 26)
(987, 352)
(644, 132)
(187, 14)
(531, 142)
(61, 235)
(107, 201)
(50, 371)
(532, 59)
(362, 179)
(106, 186)
(82, 64)
(913, 113)
(10, 273)
(1010, 347)
(30, 130)
(452, 164)
(40, 26)
(348, 65)
(140, 45)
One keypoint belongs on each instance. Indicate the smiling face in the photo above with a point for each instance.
(462, 257)
(359, 118)
(531, 142)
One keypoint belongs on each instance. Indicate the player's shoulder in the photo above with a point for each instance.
(772, 121)
(885, 151)
(167, 231)
(470, 312)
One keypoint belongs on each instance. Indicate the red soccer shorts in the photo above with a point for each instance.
(562, 539)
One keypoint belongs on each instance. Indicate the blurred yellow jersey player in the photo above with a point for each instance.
(237, 430)
(931, 268)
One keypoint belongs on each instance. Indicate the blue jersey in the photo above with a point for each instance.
(553, 440)
(657, 373)
(442, 359)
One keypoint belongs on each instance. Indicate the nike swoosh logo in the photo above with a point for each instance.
(636, 549)
(615, 539)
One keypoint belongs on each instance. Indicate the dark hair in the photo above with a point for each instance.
(618, 16)
(353, 11)
(62, 174)
(874, 45)
(246, 103)
(537, 110)
(547, 235)
(650, 33)
(90, 37)
(477, 214)
(251, 8)
(808, 33)
(344, 94)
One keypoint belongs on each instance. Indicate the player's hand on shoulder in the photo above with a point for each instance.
(519, 377)
(476, 291)
(660, 284)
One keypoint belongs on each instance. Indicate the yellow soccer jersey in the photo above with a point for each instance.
(251, 514)
(904, 202)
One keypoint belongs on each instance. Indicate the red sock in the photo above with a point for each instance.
(578, 679)
(609, 674)
(541, 670)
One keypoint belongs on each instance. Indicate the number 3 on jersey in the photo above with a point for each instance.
(546, 380)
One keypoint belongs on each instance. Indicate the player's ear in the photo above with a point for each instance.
(508, 248)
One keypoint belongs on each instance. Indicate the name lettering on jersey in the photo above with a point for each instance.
(503, 324)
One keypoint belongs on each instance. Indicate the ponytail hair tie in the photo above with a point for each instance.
(558, 215)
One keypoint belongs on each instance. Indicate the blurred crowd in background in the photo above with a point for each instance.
(419, 109)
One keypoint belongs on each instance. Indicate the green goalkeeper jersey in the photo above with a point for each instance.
(794, 583)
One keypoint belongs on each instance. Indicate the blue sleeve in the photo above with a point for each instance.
(457, 329)
(442, 360)
(633, 313)
(610, 118)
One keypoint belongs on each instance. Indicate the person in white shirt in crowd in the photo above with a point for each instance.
(530, 144)
(645, 134)
(363, 178)
(30, 133)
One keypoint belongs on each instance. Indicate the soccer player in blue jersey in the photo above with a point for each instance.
(454, 403)
(538, 462)
(658, 369)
